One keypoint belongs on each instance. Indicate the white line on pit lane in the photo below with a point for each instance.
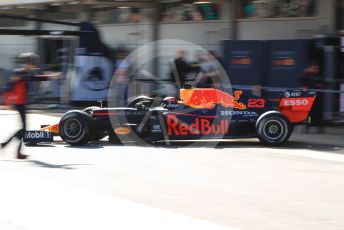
(34, 203)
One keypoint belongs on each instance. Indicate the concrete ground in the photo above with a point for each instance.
(234, 185)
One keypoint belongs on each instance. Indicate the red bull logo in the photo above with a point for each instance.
(207, 98)
(200, 126)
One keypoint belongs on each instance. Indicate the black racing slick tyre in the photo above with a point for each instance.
(273, 129)
(76, 128)
(98, 134)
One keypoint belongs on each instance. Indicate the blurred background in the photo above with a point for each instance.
(265, 46)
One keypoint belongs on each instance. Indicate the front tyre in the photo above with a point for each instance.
(273, 129)
(76, 128)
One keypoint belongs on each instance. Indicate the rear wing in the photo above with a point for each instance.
(296, 105)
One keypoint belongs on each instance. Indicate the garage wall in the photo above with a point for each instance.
(127, 35)
(206, 34)
(290, 28)
(12, 46)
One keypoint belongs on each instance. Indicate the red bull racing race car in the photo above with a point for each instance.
(198, 113)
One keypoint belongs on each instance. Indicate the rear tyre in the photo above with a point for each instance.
(273, 129)
(76, 128)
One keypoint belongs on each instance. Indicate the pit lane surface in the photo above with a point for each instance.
(235, 185)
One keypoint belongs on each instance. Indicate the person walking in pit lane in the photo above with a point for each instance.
(16, 92)
(180, 68)
(122, 77)
(211, 71)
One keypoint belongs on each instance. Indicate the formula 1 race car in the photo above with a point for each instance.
(200, 113)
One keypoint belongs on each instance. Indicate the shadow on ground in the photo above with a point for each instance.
(251, 143)
(324, 143)
(54, 166)
(44, 164)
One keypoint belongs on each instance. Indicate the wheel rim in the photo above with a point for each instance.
(72, 128)
(273, 129)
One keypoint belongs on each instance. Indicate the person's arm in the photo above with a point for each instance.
(35, 77)
(46, 76)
